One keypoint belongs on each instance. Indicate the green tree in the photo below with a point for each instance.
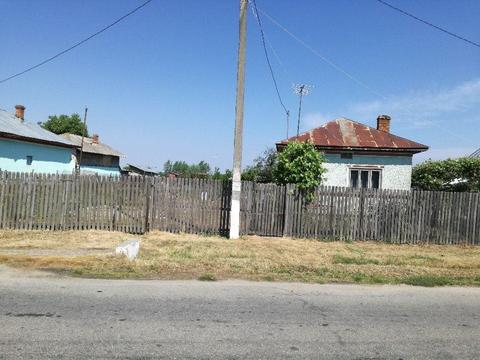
(300, 163)
(462, 174)
(263, 168)
(62, 124)
(218, 175)
(183, 169)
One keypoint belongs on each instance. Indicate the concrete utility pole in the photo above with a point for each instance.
(237, 142)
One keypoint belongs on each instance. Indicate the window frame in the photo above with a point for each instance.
(370, 169)
(29, 157)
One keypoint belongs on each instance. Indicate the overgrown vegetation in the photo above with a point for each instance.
(263, 168)
(209, 258)
(300, 163)
(61, 124)
(462, 174)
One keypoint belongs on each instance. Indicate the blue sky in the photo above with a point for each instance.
(161, 84)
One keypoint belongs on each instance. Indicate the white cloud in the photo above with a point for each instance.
(312, 120)
(443, 153)
(423, 107)
(445, 118)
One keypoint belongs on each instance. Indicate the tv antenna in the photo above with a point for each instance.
(301, 90)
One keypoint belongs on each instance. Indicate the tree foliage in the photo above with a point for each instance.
(226, 176)
(62, 124)
(300, 163)
(462, 174)
(263, 168)
(200, 170)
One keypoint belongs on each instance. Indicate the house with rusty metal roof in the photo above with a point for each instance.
(94, 157)
(27, 147)
(360, 156)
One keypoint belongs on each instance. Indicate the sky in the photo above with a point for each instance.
(161, 84)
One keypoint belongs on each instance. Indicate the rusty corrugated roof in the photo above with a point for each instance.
(345, 133)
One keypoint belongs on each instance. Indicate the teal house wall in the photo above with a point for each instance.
(100, 170)
(45, 158)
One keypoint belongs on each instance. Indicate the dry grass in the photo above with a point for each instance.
(174, 256)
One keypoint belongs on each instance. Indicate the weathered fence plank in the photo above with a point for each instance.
(140, 204)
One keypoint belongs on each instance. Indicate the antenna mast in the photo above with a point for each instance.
(301, 90)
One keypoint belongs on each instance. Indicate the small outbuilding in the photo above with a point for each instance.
(96, 157)
(140, 170)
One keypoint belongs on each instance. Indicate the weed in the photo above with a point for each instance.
(359, 277)
(427, 280)
(207, 277)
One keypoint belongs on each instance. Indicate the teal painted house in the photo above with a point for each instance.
(96, 158)
(27, 147)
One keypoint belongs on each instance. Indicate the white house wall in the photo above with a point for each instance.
(396, 170)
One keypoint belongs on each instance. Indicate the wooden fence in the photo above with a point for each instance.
(139, 204)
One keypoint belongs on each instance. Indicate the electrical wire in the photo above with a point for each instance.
(77, 44)
(322, 57)
(429, 23)
(253, 6)
(338, 68)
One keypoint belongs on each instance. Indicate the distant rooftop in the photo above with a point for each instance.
(143, 168)
(89, 146)
(17, 129)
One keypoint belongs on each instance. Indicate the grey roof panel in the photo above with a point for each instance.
(144, 168)
(9, 124)
(90, 147)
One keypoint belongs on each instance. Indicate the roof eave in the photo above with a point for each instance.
(362, 148)
(35, 140)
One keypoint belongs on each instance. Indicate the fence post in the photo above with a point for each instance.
(149, 185)
(287, 210)
(360, 228)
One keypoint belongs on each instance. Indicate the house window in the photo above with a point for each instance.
(29, 159)
(346, 156)
(365, 178)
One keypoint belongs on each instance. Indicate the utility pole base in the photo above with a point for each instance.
(235, 211)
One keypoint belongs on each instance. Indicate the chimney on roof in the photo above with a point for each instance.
(20, 112)
(383, 123)
(95, 139)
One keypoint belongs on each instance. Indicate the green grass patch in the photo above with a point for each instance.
(181, 254)
(428, 280)
(356, 250)
(207, 277)
(340, 259)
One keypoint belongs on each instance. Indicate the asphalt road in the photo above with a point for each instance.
(62, 318)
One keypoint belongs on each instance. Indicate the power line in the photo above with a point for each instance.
(77, 44)
(257, 16)
(338, 68)
(429, 24)
(322, 57)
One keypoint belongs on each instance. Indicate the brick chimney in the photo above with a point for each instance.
(383, 123)
(20, 112)
(95, 139)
